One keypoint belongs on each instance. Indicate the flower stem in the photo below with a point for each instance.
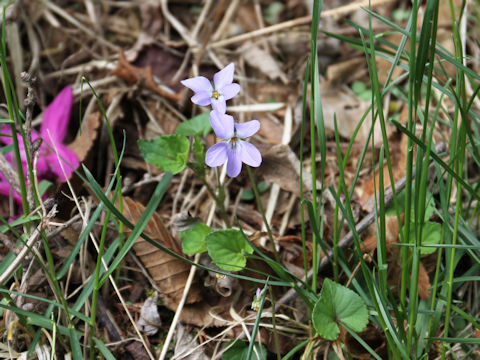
(262, 211)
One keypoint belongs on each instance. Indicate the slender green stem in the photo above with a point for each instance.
(96, 286)
(274, 324)
(260, 208)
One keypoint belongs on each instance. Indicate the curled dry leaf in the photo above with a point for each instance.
(84, 142)
(134, 75)
(169, 273)
(263, 61)
(149, 320)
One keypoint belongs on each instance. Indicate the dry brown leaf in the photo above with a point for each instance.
(263, 61)
(340, 103)
(423, 283)
(169, 273)
(134, 75)
(84, 142)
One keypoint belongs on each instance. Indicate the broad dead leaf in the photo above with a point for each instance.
(84, 142)
(169, 273)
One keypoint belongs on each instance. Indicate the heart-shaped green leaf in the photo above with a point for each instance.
(228, 249)
(193, 239)
(338, 304)
(169, 152)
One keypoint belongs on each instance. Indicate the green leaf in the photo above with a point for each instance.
(338, 304)
(43, 186)
(429, 205)
(431, 235)
(198, 125)
(169, 152)
(193, 239)
(228, 248)
(238, 351)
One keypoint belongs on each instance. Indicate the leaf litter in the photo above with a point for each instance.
(139, 58)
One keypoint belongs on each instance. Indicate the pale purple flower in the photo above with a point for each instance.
(217, 94)
(56, 118)
(234, 148)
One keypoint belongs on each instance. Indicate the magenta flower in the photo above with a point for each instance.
(222, 90)
(56, 118)
(234, 148)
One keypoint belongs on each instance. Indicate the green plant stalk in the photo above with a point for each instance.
(302, 143)
(428, 33)
(257, 322)
(274, 324)
(12, 112)
(96, 286)
(460, 160)
(405, 261)
(116, 162)
(219, 198)
(315, 115)
(295, 349)
(262, 211)
(381, 237)
(51, 274)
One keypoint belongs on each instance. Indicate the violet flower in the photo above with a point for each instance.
(56, 118)
(223, 89)
(234, 148)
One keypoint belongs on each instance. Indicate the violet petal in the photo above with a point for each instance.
(201, 98)
(224, 76)
(222, 124)
(198, 84)
(216, 155)
(56, 116)
(234, 164)
(230, 90)
(247, 129)
(219, 105)
(250, 154)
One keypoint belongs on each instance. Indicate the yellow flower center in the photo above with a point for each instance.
(215, 94)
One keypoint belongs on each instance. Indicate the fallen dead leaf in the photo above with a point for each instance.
(84, 142)
(263, 61)
(149, 320)
(169, 273)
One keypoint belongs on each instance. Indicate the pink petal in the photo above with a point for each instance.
(222, 124)
(201, 98)
(56, 116)
(216, 155)
(234, 164)
(247, 129)
(7, 131)
(69, 158)
(198, 84)
(224, 76)
(250, 154)
(230, 90)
